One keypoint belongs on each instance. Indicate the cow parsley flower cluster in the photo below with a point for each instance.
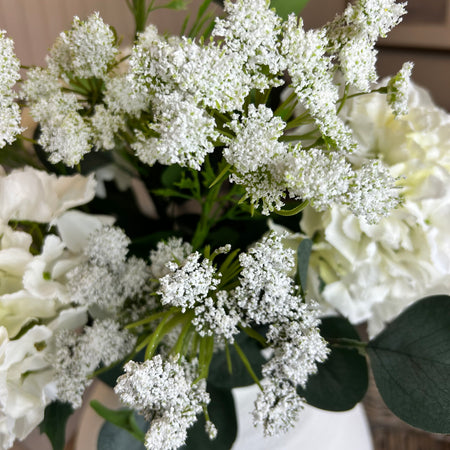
(352, 37)
(107, 278)
(57, 96)
(164, 391)
(9, 74)
(77, 355)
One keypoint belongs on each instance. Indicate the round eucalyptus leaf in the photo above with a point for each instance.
(410, 360)
(113, 437)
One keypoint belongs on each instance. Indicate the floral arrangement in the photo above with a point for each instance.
(190, 211)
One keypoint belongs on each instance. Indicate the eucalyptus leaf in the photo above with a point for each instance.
(54, 423)
(303, 255)
(410, 360)
(341, 381)
(222, 413)
(122, 418)
(113, 437)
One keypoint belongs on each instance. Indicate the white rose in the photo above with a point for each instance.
(372, 272)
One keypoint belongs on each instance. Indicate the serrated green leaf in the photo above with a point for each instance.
(286, 7)
(410, 360)
(54, 423)
(303, 254)
(223, 414)
(341, 381)
(122, 418)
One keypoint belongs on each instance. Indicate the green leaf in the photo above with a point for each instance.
(341, 381)
(122, 418)
(171, 175)
(113, 437)
(410, 360)
(303, 254)
(54, 423)
(223, 414)
(219, 374)
(285, 7)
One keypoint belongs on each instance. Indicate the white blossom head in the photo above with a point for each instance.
(398, 90)
(9, 74)
(87, 50)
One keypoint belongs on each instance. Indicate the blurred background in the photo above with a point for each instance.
(423, 37)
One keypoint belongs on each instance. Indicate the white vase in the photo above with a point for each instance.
(316, 429)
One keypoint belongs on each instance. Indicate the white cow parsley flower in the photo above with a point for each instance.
(87, 50)
(251, 32)
(174, 250)
(312, 78)
(266, 292)
(188, 283)
(163, 392)
(277, 407)
(9, 74)
(398, 90)
(181, 134)
(77, 356)
(107, 279)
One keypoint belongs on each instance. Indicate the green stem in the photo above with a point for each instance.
(148, 319)
(163, 328)
(177, 348)
(254, 335)
(228, 356)
(349, 343)
(247, 365)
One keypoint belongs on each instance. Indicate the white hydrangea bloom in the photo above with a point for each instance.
(9, 74)
(398, 89)
(373, 272)
(77, 356)
(311, 71)
(251, 32)
(87, 50)
(163, 392)
(181, 134)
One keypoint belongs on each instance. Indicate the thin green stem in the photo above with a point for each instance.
(247, 364)
(254, 335)
(145, 321)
